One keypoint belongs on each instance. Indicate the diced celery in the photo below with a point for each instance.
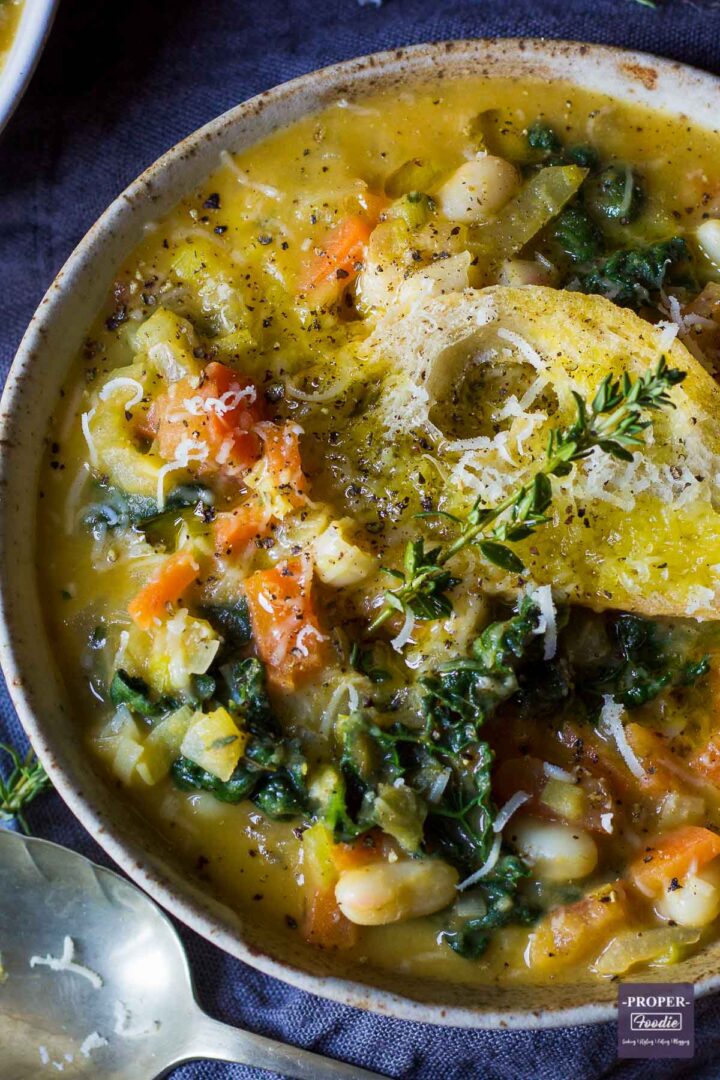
(127, 754)
(415, 209)
(413, 175)
(401, 814)
(659, 945)
(540, 199)
(214, 742)
(319, 866)
(162, 745)
(568, 801)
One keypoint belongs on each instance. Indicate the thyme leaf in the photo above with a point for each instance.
(614, 422)
(24, 782)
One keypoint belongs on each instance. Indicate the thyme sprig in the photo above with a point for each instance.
(25, 781)
(613, 422)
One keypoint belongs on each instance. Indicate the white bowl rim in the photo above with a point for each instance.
(641, 74)
(33, 30)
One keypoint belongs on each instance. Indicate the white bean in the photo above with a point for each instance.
(518, 273)
(477, 189)
(390, 892)
(555, 851)
(696, 902)
(708, 235)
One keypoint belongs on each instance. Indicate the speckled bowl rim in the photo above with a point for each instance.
(630, 76)
(32, 32)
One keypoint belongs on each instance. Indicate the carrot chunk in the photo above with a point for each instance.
(324, 925)
(339, 255)
(285, 628)
(707, 760)
(281, 453)
(176, 575)
(572, 933)
(221, 413)
(673, 855)
(235, 529)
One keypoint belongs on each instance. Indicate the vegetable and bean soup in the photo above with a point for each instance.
(379, 532)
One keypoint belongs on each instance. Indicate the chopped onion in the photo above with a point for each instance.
(398, 643)
(506, 812)
(486, 867)
(610, 717)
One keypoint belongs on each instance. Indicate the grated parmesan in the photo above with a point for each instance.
(556, 773)
(398, 643)
(67, 963)
(506, 812)
(523, 347)
(610, 717)
(123, 382)
(487, 866)
(85, 425)
(548, 620)
(188, 450)
(94, 1041)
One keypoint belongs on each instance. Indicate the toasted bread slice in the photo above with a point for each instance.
(641, 536)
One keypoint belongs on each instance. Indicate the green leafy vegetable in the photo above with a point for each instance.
(135, 693)
(232, 620)
(631, 277)
(577, 234)
(540, 199)
(273, 768)
(615, 194)
(613, 422)
(115, 508)
(24, 782)
(469, 937)
(544, 138)
(648, 663)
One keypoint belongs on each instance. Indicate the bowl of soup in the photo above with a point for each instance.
(24, 28)
(360, 547)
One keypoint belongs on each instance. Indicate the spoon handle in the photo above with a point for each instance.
(211, 1039)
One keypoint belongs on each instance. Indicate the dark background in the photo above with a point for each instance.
(119, 84)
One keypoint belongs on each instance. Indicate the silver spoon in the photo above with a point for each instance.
(143, 1019)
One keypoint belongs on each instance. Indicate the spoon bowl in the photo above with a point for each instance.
(95, 979)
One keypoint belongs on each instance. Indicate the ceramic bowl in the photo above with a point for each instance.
(53, 338)
(33, 29)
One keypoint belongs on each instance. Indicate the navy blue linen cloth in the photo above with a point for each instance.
(120, 83)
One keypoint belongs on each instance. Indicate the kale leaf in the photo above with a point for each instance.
(114, 508)
(632, 276)
(577, 234)
(232, 620)
(273, 768)
(615, 194)
(135, 693)
(445, 762)
(647, 663)
(469, 937)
